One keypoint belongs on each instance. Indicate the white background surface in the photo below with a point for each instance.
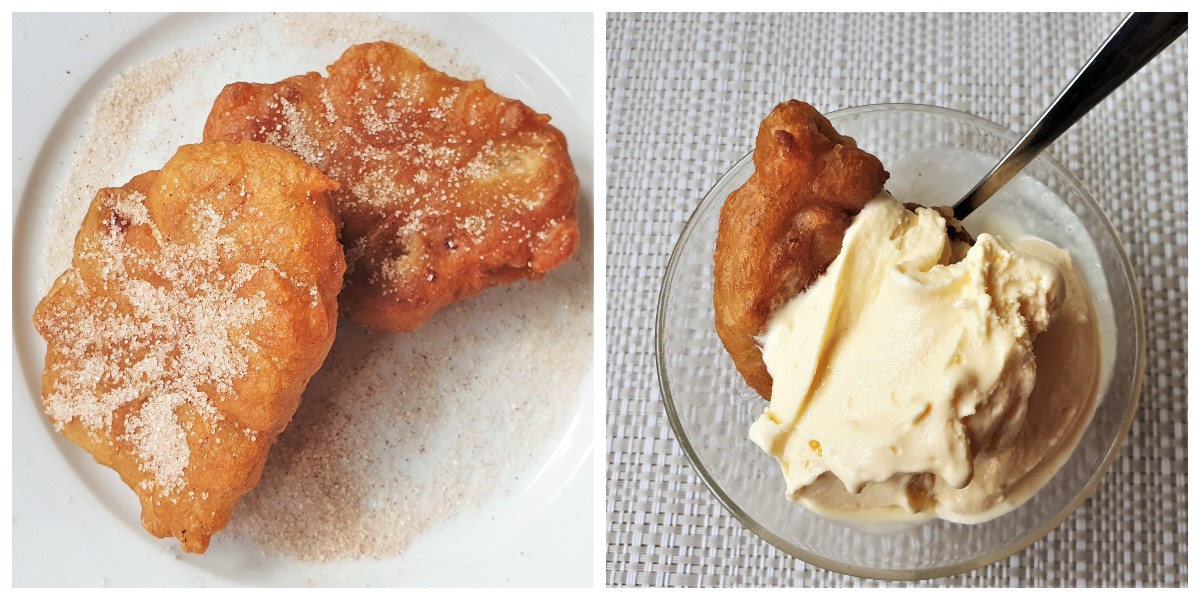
(62, 535)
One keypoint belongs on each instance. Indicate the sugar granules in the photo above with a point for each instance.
(397, 432)
(149, 110)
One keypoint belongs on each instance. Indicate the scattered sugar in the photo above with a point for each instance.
(127, 133)
(158, 440)
(403, 154)
(339, 31)
(164, 341)
(293, 134)
(397, 432)
(101, 157)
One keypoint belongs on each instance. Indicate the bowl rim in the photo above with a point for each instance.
(954, 568)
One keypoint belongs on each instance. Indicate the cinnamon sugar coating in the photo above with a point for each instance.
(447, 187)
(200, 300)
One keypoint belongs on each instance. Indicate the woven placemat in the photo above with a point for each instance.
(685, 96)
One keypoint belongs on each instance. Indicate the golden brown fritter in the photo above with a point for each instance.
(200, 300)
(783, 228)
(446, 186)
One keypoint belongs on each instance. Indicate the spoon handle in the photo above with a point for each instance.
(1137, 40)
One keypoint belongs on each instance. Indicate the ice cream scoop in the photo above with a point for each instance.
(911, 356)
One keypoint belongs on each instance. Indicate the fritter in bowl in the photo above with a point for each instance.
(783, 227)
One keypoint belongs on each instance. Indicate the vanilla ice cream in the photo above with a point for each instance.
(902, 376)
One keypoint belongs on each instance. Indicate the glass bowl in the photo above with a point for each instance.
(934, 156)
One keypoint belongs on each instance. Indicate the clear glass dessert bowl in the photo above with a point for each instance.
(934, 156)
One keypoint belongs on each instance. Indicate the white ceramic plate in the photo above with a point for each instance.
(66, 531)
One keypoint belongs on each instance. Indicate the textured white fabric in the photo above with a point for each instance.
(685, 96)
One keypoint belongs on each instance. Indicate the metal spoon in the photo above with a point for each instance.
(1137, 40)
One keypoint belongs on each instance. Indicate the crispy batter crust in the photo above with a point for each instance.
(446, 186)
(200, 300)
(783, 228)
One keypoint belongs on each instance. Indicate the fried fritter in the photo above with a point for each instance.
(200, 300)
(446, 186)
(784, 226)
